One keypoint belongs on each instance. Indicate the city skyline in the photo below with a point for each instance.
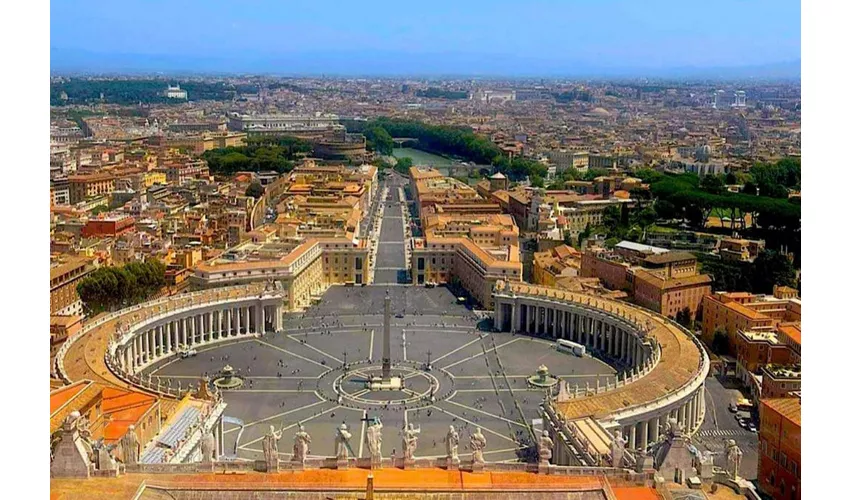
(546, 39)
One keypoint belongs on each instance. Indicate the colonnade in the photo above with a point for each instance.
(577, 324)
(612, 335)
(196, 327)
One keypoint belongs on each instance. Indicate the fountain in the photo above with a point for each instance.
(227, 379)
(542, 378)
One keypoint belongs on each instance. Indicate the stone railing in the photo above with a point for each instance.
(620, 316)
(610, 315)
(696, 380)
(166, 306)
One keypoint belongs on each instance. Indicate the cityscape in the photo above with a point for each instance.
(370, 285)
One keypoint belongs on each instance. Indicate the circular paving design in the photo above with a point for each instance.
(298, 376)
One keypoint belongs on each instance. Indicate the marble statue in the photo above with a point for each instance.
(410, 441)
(618, 449)
(342, 442)
(733, 458)
(452, 441)
(270, 448)
(130, 447)
(373, 438)
(103, 456)
(477, 442)
(544, 448)
(301, 448)
(207, 447)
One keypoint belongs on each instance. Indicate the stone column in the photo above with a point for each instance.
(238, 312)
(527, 318)
(644, 434)
(633, 437)
(680, 415)
(653, 430)
(262, 316)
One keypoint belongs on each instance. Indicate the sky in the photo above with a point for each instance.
(438, 35)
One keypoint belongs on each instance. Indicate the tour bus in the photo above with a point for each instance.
(574, 348)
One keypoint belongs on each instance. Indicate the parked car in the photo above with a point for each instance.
(752, 427)
(733, 407)
(744, 423)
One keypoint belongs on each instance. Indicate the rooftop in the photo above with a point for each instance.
(638, 247)
(790, 408)
(419, 483)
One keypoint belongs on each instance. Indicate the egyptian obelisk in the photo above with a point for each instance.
(385, 361)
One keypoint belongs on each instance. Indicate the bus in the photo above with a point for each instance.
(573, 348)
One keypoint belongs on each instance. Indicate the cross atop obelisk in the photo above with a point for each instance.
(385, 360)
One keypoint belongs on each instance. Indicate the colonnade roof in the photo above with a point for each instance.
(85, 358)
(679, 363)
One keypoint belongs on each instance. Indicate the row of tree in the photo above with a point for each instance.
(114, 287)
(459, 142)
(686, 197)
(770, 268)
(134, 91)
(263, 153)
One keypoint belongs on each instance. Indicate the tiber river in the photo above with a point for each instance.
(424, 158)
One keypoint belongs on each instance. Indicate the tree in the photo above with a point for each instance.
(255, 189)
(773, 268)
(750, 188)
(720, 343)
(403, 165)
(665, 209)
(110, 288)
(684, 318)
(731, 178)
(712, 184)
(646, 217)
(378, 139)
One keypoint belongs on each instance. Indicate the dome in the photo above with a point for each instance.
(498, 175)
(600, 112)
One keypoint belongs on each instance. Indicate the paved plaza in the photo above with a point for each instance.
(289, 376)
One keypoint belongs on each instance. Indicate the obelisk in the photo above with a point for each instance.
(385, 360)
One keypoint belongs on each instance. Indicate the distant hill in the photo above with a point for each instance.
(388, 63)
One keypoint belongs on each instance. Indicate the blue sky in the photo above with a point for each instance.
(601, 33)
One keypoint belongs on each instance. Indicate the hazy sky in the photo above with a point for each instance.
(605, 33)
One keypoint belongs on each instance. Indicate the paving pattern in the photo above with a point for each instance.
(284, 374)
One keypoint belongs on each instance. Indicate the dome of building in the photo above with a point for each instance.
(498, 175)
(600, 112)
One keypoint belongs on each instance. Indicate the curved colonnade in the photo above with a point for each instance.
(662, 367)
(113, 349)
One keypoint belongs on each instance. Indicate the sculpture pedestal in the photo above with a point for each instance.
(296, 465)
(375, 463)
(342, 464)
(477, 466)
(452, 464)
(408, 464)
(543, 467)
(273, 465)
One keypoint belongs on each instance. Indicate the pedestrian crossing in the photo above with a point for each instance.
(722, 432)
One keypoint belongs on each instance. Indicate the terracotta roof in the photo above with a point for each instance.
(419, 483)
(668, 257)
(792, 331)
(666, 284)
(125, 408)
(744, 310)
(790, 408)
(61, 396)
